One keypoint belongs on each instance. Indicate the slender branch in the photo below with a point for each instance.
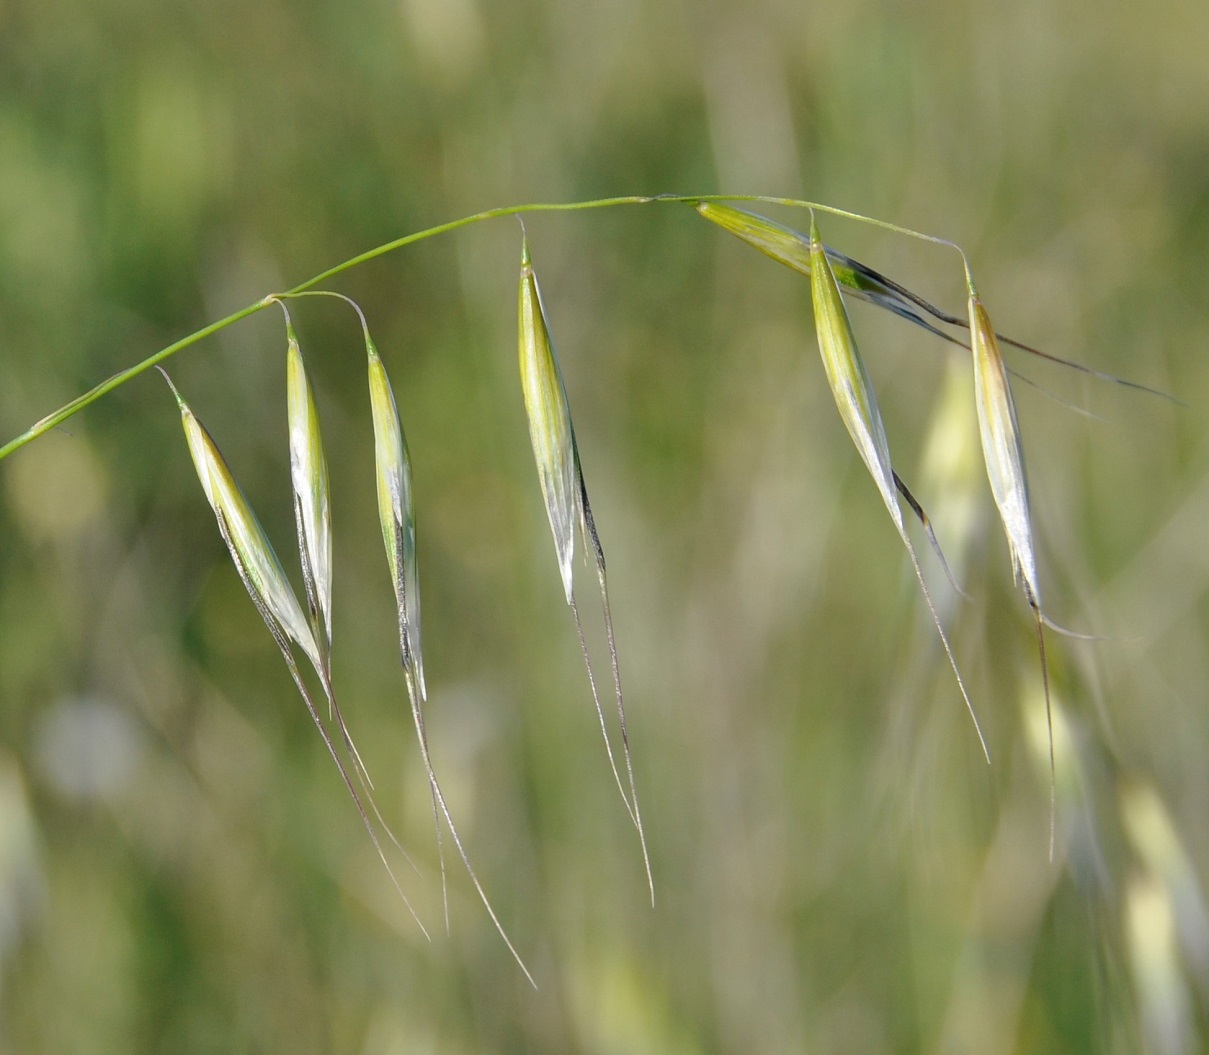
(466, 221)
(66, 411)
(120, 378)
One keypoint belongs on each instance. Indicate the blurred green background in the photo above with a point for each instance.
(837, 869)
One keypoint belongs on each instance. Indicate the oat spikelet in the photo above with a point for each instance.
(396, 511)
(857, 404)
(254, 556)
(567, 506)
(1001, 447)
(1004, 457)
(312, 517)
(549, 424)
(262, 576)
(312, 505)
(792, 248)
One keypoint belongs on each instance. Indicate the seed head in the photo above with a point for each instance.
(308, 473)
(853, 392)
(846, 374)
(392, 466)
(1001, 447)
(568, 508)
(549, 423)
(250, 548)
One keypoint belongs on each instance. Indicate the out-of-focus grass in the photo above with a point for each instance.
(837, 870)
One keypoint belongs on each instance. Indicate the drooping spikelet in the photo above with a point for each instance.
(1003, 454)
(857, 404)
(550, 429)
(1001, 447)
(848, 378)
(792, 248)
(396, 512)
(313, 522)
(274, 598)
(567, 507)
(312, 506)
(254, 556)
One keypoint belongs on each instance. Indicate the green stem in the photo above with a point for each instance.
(92, 395)
(119, 379)
(331, 293)
(466, 221)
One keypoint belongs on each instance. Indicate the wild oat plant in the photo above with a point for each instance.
(306, 630)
